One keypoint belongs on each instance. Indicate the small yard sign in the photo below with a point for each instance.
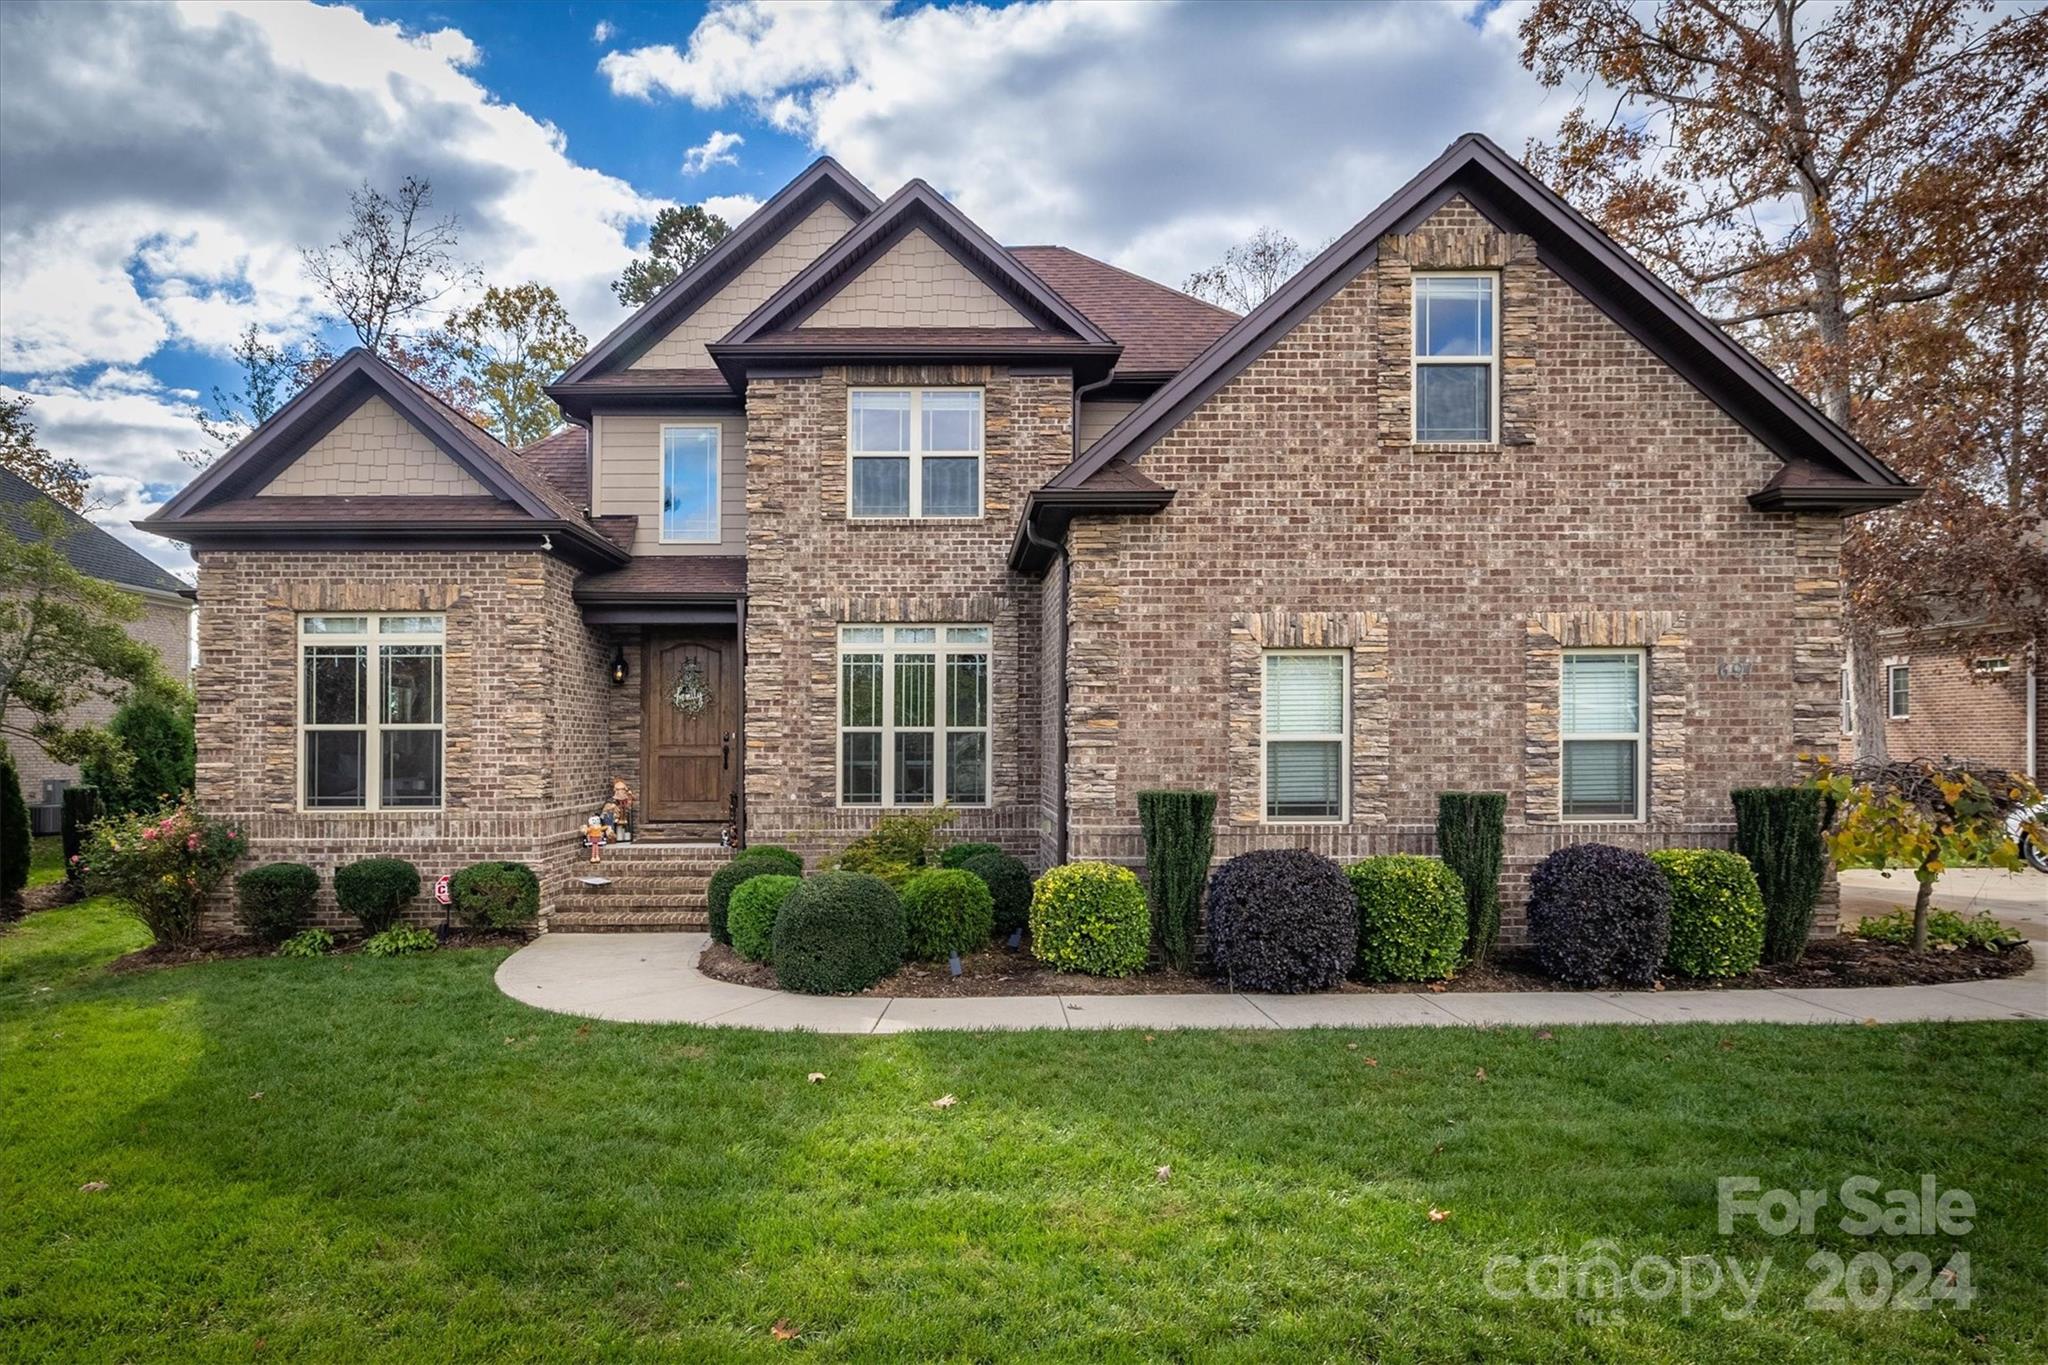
(441, 896)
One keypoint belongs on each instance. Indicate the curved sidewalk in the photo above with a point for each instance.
(653, 979)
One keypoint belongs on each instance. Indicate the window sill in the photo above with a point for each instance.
(913, 521)
(1457, 447)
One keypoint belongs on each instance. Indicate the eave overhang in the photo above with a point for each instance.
(1048, 512)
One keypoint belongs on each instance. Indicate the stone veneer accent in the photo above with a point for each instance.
(1661, 635)
(1364, 635)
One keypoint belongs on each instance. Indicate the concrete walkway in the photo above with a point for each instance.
(653, 979)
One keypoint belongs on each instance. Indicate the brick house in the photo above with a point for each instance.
(1955, 690)
(867, 512)
(165, 625)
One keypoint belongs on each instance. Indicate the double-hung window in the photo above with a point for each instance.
(1306, 734)
(1898, 683)
(370, 712)
(689, 485)
(1603, 734)
(914, 453)
(913, 715)
(1457, 369)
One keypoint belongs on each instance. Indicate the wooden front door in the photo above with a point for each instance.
(691, 752)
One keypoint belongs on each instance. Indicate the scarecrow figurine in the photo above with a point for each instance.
(593, 835)
(623, 803)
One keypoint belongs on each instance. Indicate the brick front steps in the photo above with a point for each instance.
(654, 885)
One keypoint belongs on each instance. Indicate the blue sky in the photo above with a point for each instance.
(139, 237)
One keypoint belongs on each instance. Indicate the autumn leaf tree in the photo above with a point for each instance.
(24, 456)
(682, 235)
(391, 264)
(1839, 185)
(507, 346)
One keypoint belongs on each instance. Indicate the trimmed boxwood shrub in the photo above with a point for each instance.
(1090, 917)
(1717, 913)
(1599, 915)
(1009, 883)
(276, 900)
(1471, 827)
(1411, 918)
(956, 855)
(750, 914)
(1282, 919)
(762, 860)
(946, 910)
(495, 895)
(837, 932)
(1778, 830)
(1180, 838)
(376, 890)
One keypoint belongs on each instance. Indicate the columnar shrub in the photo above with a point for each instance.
(276, 900)
(162, 866)
(1779, 830)
(1599, 915)
(1009, 883)
(1412, 918)
(1282, 919)
(750, 914)
(1180, 838)
(15, 835)
(495, 895)
(837, 932)
(946, 910)
(81, 808)
(1471, 827)
(1717, 913)
(1090, 917)
(956, 855)
(376, 891)
(762, 860)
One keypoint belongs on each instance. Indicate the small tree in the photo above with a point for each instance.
(154, 729)
(1925, 817)
(1180, 837)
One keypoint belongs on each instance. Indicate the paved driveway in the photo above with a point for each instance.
(2017, 898)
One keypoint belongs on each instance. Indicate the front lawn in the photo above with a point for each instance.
(46, 859)
(353, 1158)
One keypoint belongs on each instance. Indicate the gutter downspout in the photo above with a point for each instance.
(1059, 552)
(2033, 709)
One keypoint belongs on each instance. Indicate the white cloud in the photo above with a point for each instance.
(716, 150)
(734, 208)
(1037, 120)
(604, 31)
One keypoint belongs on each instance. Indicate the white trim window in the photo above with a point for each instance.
(689, 484)
(371, 711)
(914, 715)
(1898, 691)
(1305, 736)
(1457, 357)
(914, 453)
(1848, 700)
(1601, 725)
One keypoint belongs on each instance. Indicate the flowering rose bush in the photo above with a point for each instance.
(161, 865)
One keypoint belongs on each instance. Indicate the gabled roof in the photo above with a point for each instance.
(563, 459)
(222, 496)
(774, 326)
(1160, 329)
(91, 550)
(822, 179)
(1570, 246)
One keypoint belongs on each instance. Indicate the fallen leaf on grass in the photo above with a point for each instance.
(1947, 1274)
(1149, 1038)
(1437, 1215)
(257, 1096)
(1372, 1061)
(945, 1102)
(1544, 1035)
(815, 1077)
(1870, 1023)
(1480, 1074)
(1164, 1174)
(92, 1187)
(1727, 1045)
(783, 1331)
(1351, 1047)
(1437, 988)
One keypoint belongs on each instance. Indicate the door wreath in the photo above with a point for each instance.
(690, 695)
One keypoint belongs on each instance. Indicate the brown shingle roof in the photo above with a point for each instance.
(563, 459)
(497, 452)
(370, 510)
(669, 576)
(829, 338)
(1161, 329)
(657, 379)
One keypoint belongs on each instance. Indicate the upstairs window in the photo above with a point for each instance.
(913, 715)
(1457, 388)
(689, 485)
(1307, 727)
(914, 453)
(1899, 690)
(1603, 734)
(370, 712)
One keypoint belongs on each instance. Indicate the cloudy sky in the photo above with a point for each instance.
(161, 165)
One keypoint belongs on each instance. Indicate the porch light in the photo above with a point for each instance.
(618, 668)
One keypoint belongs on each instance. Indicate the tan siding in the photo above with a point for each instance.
(916, 283)
(1097, 419)
(165, 627)
(683, 347)
(374, 452)
(627, 478)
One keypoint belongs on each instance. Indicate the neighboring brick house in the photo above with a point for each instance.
(867, 512)
(1954, 691)
(165, 624)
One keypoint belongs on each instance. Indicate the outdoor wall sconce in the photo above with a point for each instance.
(618, 668)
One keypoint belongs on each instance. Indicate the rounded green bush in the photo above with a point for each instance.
(276, 900)
(956, 855)
(1411, 918)
(1717, 912)
(495, 895)
(946, 910)
(376, 890)
(1090, 917)
(837, 932)
(750, 914)
(762, 860)
(1008, 882)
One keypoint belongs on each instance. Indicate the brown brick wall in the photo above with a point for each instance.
(1614, 512)
(811, 569)
(521, 677)
(1958, 713)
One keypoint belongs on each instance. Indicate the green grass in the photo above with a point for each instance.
(350, 1159)
(46, 859)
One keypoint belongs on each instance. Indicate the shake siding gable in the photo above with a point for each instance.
(916, 283)
(373, 452)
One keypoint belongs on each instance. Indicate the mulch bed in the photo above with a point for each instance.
(1002, 970)
(227, 947)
